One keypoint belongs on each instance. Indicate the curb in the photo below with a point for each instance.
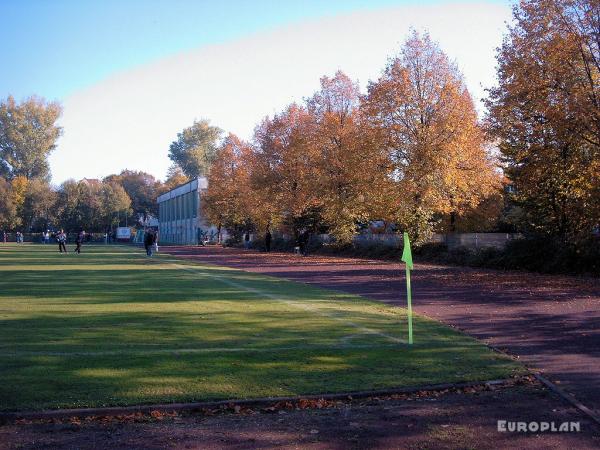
(257, 402)
(568, 397)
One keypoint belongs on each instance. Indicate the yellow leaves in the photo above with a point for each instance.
(410, 149)
(19, 186)
(427, 121)
(546, 115)
(228, 199)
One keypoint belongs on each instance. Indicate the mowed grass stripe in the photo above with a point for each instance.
(300, 305)
(176, 351)
(112, 327)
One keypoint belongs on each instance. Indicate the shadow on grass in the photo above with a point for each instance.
(71, 380)
(57, 325)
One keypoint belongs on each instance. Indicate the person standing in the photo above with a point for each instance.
(47, 237)
(155, 241)
(306, 242)
(268, 241)
(61, 237)
(303, 242)
(247, 240)
(148, 242)
(79, 241)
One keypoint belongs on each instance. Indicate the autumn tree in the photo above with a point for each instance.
(28, 134)
(545, 114)
(175, 177)
(38, 209)
(426, 119)
(195, 148)
(343, 166)
(227, 201)
(29, 203)
(94, 206)
(283, 177)
(19, 185)
(142, 188)
(8, 209)
(75, 203)
(114, 202)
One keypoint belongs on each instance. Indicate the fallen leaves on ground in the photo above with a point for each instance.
(280, 406)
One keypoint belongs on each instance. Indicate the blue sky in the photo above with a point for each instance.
(131, 74)
(56, 47)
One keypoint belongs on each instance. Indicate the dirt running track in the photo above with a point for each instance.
(454, 421)
(551, 322)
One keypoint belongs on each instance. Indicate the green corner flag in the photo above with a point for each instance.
(406, 253)
(407, 258)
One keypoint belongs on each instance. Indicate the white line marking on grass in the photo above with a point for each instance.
(181, 351)
(293, 303)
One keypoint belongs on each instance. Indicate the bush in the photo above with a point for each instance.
(430, 250)
(232, 242)
(488, 257)
(548, 255)
(369, 249)
(534, 253)
(278, 244)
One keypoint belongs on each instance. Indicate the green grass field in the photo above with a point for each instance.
(112, 327)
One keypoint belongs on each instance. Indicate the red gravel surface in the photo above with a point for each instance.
(552, 323)
(452, 421)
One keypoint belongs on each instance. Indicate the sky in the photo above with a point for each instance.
(131, 74)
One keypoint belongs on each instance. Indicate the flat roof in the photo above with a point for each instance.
(190, 186)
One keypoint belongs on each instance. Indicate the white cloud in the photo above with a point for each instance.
(129, 119)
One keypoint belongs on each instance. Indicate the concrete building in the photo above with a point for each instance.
(180, 219)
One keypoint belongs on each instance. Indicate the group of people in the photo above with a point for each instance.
(302, 242)
(18, 237)
(61, 238)
(150, 240)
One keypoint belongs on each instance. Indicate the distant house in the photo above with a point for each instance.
(91, 181)
(180, 218)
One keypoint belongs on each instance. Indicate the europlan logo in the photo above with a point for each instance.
(508, 426)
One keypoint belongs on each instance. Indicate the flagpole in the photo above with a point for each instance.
(407, 258)
(409, 309)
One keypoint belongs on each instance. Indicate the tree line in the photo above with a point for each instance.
(28, 202)
(128, 198)
(410, 151)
